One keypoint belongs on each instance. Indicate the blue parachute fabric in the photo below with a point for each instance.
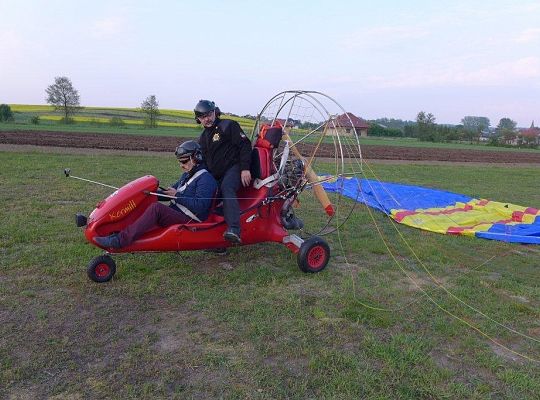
(521, 233)
(442, 211)
(387, 196)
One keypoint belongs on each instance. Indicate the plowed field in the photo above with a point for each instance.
(166, 144)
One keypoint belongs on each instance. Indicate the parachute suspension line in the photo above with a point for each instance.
(433, 278)
(321, 138)
(440, 286)
(453, 295)
(352, 277)
(432, 300)
(427, 294)
(459, 275)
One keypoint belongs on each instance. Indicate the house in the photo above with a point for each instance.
(530, 135)
(343, 125)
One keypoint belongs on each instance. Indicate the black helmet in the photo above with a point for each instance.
(203, 107)
(189, 149)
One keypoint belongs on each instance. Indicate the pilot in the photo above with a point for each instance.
(227, 152)
(192, 199)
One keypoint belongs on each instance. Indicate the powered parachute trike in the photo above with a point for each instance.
(300, 139)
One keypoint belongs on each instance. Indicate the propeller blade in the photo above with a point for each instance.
(312, 178)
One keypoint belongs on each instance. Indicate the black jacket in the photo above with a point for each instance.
(224, 145)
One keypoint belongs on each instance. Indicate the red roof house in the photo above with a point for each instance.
(343, 124)
(530, 135)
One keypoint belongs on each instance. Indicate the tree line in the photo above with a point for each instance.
(472, 129)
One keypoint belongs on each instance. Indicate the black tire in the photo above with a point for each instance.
(313, 255)
(101, 269)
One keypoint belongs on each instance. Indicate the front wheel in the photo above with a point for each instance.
(101, 269)
(313, 255)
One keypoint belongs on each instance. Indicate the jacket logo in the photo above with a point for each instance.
(215, 138)
(123, 211)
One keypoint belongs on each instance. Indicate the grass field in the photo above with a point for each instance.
(99, 117)
(412, 142)
(179, 123)
(251, 325)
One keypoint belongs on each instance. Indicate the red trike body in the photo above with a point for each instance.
(260, 217)
(264, 207)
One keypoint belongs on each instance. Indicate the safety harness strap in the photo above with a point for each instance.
(182, 189)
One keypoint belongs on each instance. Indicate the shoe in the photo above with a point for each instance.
(232, 236)
(220, 251)
(111, 241)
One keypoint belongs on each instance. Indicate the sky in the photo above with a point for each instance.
(377, 59)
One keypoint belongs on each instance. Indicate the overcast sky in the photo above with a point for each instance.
(378, 59)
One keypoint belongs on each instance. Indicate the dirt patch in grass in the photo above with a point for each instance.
(506, 354)
(416, 282)
(92, 346)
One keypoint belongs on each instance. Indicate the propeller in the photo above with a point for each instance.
(312, 178)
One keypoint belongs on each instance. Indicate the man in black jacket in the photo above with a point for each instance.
(227, 153)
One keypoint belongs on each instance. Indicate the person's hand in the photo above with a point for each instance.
(245, 176)
(170, 191)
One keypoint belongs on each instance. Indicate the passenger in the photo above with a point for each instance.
(193, 198)
(227, 152)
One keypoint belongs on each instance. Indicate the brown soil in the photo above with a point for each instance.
(165, 144)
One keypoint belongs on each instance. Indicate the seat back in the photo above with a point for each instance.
(261, 163)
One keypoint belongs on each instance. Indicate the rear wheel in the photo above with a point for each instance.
(101, 269)
(313, 255)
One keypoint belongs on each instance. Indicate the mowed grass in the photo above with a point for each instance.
(251, 325)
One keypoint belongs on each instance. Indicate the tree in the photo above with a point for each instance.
(64, 97)
(507, 123)
(392, 123)
(150, 107)
(474, 126)
(426, 126)
(5, 113)
(529, 138)
(506, 129)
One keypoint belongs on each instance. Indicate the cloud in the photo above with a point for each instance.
(528, 35)
(9, 42)
(508, 72)
(13, 49)
(108, 26)
(383, 35)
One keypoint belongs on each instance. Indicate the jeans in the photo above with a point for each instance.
(229, 185)
(157, 215)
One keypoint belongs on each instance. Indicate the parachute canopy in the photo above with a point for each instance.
(444, 212)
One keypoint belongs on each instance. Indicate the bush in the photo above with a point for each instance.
(150, 123)
(6, 114)
(378, 130)
(117, 122)
(67, 121)
(35, 120)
